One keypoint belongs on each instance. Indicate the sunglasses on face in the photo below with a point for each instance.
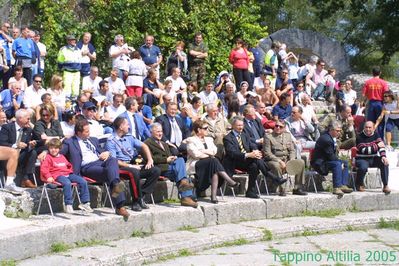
(38, 81)
(204, 128)
(279, 126)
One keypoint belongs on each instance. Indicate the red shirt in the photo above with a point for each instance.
(239, 59)
(374, 89)
(55, 167)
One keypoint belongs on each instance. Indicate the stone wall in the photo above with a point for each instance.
(359, 80)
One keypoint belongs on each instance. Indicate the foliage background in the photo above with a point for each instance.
(368, 29)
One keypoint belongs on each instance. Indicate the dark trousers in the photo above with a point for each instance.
(105, 172)
(151, 177)
(6, 76)
(363, 164)
(340, 172)
(26, 163)
(27, 73)
(241, 75)
(374, 110)
(252, 166)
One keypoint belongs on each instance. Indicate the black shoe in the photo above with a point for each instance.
(277, 180)
(299, 191)
(214, 201)
(136, 207)
(252, 195)
(143, 205)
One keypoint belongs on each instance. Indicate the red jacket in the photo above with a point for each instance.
(239, 60)
(55, 167)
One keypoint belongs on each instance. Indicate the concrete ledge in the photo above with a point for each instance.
(40, 232)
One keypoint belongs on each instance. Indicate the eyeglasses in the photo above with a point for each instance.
(7, 26)
(38, 81)
(279, 126)
(284, 72)
(386, 96)
(323, 65)
(300, 86)
(205, 128)
(45, 115)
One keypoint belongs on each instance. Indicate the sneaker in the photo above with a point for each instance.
(13, 189)
(69, 209)
(346, 189)
(85, 207)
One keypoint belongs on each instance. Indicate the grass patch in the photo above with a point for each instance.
(8, 263)
(329, 213)
(323, 251)
(310, 233)
(273, 250)
(59, 247)
(267, 235)
(237, 242)
(349, 228)
(90, 243)
(188, 228)
(181, 253)
(222, 253)
(137, 233)
(171, 201)
(388, 224)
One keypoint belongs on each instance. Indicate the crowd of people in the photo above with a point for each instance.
(258, 119)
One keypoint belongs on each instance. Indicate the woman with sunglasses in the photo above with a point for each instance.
(201, 161)
(391, 112)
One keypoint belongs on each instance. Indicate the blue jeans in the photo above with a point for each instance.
(363, 164)
(177, 172)
(67, 188)
(340, 175)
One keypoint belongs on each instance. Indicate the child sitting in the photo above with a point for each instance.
(56, 168)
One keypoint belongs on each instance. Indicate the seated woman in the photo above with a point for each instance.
(201, 161)
(391, 112)
(46, 128)
(68, 126)
(46, 100)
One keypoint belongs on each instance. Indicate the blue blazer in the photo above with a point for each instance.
(166, 128)
(142, 131)
(72, 151)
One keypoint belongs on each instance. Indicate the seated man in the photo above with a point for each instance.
(89, 159)
(253, 126)
(11, 156)
(242, 154)
(33, 93)
(125, 147)
(347, 138)
(90, 113)
(280, 157)
(171, 166)
(325, 159)
(283, 109)
(11, 99)
(175, 131)
(137, 126)
(18, 135)
(371, 153)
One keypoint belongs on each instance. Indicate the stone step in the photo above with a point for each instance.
(37, 235)
(142, 249)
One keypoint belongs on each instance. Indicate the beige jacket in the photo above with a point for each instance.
(196, 151)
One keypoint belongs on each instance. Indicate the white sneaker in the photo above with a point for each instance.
(13, 189)
(69, 209)
(85, 207)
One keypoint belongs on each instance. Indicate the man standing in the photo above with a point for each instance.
(150, 53)
(88, 53)
(89, 159)
(243, 154)
(69, 61)
(325, 159)
(18, 135)
(23, 52)
(371, 153)
(171, 166)
(198, 52)
(5, 40)
(373, 90)
(43, 52)
(280, 157)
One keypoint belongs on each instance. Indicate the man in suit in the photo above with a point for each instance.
(89, 159)
(252, 126)
(18, 135)
(171, 166)
(174, 130)
(243, 154)
(137, 126)
(325, 159)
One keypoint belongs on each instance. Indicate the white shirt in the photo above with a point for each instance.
(308, 113)
(87, 155)
(117, 86)
(90, 84)
(133, 125)
(206, 98)
(115, 112)
(42, 49)
(58, 97)
(67, 129)
(177, 84)
(96, 130)
(121, 61)
(350, 97)
(85, 58)
(137, 72)
(33, 98)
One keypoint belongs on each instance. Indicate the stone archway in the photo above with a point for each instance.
(306, 43)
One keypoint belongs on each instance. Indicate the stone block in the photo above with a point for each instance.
(327, 201)
(285, 206)
(366, 201)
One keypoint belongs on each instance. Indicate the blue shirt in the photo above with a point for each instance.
(6, 102)
(125, 148)
(149, 85)
(282, 112)
(150, 54)
(187, 121)
(23, 47)
(257, 63)
(4, 44)
(147, 113)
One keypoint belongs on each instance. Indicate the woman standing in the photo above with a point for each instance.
(178, 58)
(240, 61)
(201, 160)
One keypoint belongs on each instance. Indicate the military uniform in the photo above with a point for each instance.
(348, 136)
(197, 65)
(280, 147)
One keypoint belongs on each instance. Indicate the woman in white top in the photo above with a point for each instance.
(57, 94)
(391, 113)
(136, 74)
(19, 79)
(201, 160)
(242, 93)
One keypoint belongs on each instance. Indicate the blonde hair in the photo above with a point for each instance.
(55, 80)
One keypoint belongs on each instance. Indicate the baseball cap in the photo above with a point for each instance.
(88, 105)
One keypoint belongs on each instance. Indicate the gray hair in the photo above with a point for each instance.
(21, 113)
(118, 37)
(154, 126)
(334, 125)
(210, 107)
(237, 118)
(314, 59)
